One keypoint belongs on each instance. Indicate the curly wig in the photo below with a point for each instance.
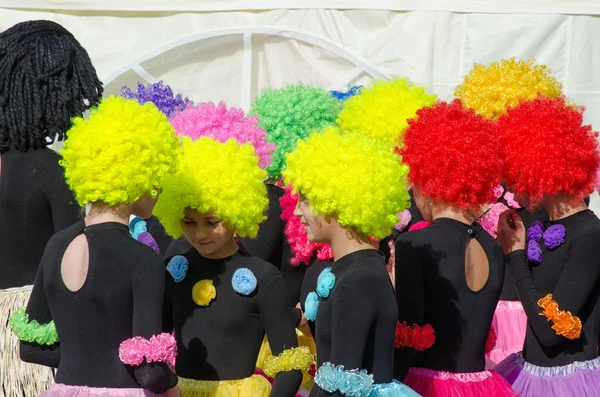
(46, 79)
(222, 178)
(345, 95)
(548, 150)
(303, 249)
(351, 177)
(120, 153)
(290, 114)
(453, 155)
(215, 121)
(383, 109)
(490, 90)
(161, 95)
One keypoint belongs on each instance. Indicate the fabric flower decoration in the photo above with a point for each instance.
(137, 226)
(510, 200)
(325, 282)
(554, 236)
(498, 190)
(243, 281)
(489, 220)
(534, 252)
(355, 383)
(178, 267)
(414, 337)
(418, 226)
(147, 239)
(490, 343)
(404, 219)
(311, 305)
(204, 292)
(535, 231)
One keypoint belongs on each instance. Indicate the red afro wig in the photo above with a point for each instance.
(453, 155)
(548, 150)
(302, 248)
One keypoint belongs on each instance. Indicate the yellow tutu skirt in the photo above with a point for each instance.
(303, 340)
(255, 385)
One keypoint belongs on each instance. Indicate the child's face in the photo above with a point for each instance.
(208, 234)
(316, 226)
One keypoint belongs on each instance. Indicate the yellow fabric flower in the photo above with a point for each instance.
(204, 292)
(297, 358)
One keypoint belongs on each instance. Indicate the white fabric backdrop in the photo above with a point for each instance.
(512, 6)
(233, 55)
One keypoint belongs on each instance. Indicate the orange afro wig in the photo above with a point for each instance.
(548, 150)
(453, 155)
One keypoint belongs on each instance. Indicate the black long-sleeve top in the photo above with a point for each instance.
(121, 298)
(35, 203)
(571, 273)
(270, 245)
(355, 325)
(431, 289)
(221, 341)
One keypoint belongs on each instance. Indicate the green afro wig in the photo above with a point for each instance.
(290, 114)
(351, 177)
(123, 151)
(217, 177)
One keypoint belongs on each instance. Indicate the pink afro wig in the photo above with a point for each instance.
(215, 121)
(548, 150)
(453, 155)
(302, 249)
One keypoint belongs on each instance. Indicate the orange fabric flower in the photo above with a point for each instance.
(564, 323)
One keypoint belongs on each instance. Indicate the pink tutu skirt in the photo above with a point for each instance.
(579, 379)
(430, 383)
(60, 390)
(510, 325)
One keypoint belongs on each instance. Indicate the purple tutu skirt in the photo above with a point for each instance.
(579, 379)
(60, 390)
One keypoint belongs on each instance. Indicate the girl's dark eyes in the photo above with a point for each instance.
(188, 221)
(213, 223)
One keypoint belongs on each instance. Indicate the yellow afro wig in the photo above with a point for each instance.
(121, 152)
(217, 177)
(491, 90)
(383, 109)
(351, 177)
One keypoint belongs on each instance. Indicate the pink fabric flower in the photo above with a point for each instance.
(510, 200)
(489, 221)
(133, 350)
(498, 190)
(160, 348)
(404, 219)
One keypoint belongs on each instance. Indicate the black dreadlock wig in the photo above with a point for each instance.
(46, 79)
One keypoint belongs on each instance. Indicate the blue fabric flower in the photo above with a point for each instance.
(325, 282)
(137, 226)
(392, 389)
(243, 281)
(311, 305)
(178, 267)
(353, 383)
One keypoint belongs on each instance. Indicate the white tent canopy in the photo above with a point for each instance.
(231, 49)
